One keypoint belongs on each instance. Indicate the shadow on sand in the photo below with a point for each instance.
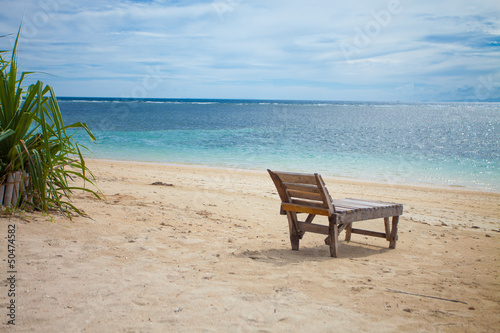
(282, 257)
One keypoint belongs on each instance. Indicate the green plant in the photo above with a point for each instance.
(34, 139)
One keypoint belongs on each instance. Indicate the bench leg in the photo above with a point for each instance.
(348, 230)
(394, 232)
(294, 233)
(334, 240)
(387, 229)
(294, 240)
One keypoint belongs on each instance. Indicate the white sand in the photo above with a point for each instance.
(211, 253)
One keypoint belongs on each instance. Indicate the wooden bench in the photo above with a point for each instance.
(307, 193)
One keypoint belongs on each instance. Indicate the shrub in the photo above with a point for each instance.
(34, 140)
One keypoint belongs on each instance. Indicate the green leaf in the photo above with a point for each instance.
(33, 138)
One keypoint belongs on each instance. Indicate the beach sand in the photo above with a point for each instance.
(212, 254)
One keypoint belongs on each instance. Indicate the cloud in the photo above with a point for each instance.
(362, 50)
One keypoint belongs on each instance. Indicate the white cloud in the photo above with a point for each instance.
(234, 48)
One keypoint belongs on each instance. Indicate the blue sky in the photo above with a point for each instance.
(391, 50)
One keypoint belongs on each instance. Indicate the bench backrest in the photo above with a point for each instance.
(302, 193)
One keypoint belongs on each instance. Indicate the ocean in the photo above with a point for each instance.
(443, 144)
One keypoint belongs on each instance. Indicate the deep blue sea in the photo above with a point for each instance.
(450, 144)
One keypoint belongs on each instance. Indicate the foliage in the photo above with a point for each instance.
(34, 139)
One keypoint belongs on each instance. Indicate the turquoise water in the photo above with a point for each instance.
(431, 143)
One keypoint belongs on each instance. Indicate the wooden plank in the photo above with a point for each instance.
(316, 204)
(297, 178)
(342, 227)
(380, 203)
(358, 204)
(368, 203)
(351, 204)
(302, 187)
(310, 218)
(304, 195)
(367, 214)
(352, 208)
(279, 187)
(368, 233)
(311, 227)
(323, 191)
(305, 209)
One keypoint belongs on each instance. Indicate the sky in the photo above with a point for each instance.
(358, 50)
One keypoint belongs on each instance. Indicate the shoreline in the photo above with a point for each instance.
(230, 177)
(335, 178)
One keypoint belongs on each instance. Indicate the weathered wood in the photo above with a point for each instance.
(394, 232)
(293, 219)
(305, 209)
(341, 227)
(346, 205)
(311, 227)
(387, 229)
(17, 187)
(304, 195)
(9, 189)
(325, 196)
(350, 203)
(280, 187)
(308, 203)
(298, 178)
(368, 233)
(342, 205)
(334, 239)
(294, 230)
(307, 193)
(350, 213)
(309, 218)
(348, 231)
(302, 187)
(368, 203)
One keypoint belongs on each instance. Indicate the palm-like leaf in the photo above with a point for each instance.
(33, 138)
